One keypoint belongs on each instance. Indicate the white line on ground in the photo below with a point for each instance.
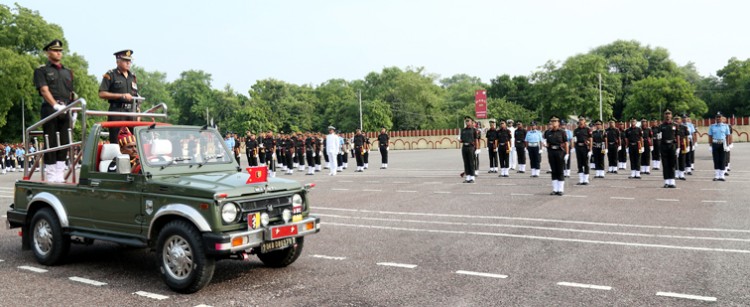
(5, 188)
(4, 216)
(371, 190)
(542, 220)
(687, 296)
(87, 281)
(405, 191)
(373, 181)
(33, 269)
(442, 192)
(432, 182)
(482, 274)
(713, 201)
(713, 189)
(507, 184)
(577, 196)
(400, 182)
(622, 187)
(520, 194)
(151, 295)
(480, 193)
(622, 198)
(1, 260)
(3, 196)
(346, 181)
(573, 284)
(667, 199)
(398, 265)
(508, 235)
(328, 257)
(334, 189)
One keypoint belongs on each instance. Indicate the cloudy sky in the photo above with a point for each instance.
(309, 42)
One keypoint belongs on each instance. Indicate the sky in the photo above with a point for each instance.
(310, 42)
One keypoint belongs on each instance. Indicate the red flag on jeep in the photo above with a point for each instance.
(258, 174)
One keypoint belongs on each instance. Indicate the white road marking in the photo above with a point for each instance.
(328, 257)
(687, 296)
(346, 181)
(442, 192)
(573, 284)
(5, 188)
(373, 181)
(398, 265)
(508, 235)
(713, 201)
(577, 196)
(3, 196)
(622, 198)
(1, 260)
(400, 182)
(405, 191)
(87, 281)
(520, 194)
(370, 190)
(667, 199)
(4, 216)
(541, 220)
(621, 187)
(151, 295)
(334, 189)
(480, 193)
(432, 182)
(482, 274)
(713, 189)
(33, 269)
(507, 184)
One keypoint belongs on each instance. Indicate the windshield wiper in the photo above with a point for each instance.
(173, 162)
(206, 158)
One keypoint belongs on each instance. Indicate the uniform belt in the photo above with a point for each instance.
(718, 141)
(468, 144)
(533, 144)
(580, 144)
(598, 145)
(121, 105)
(554, 147)
(668, 141)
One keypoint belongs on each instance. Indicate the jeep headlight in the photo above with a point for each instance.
(229, 212)
(297, 203)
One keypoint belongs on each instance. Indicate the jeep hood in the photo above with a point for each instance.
(208, 184)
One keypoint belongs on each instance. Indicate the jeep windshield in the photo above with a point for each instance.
(172, 146)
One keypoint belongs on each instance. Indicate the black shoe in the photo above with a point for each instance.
(615, 172)
(722, 179)
(466, 181)
(647, 173)
(690, 173)
(549, 172)
(585, 183)
(666, 186)
(308, 174)
(471, 181)
(580, 183)
(726, 173)
(672, 186)
(682, 178)
(559, 193)
(567, 176)
(506, 176)
(637, 177)
(553, 193)
(716, 179)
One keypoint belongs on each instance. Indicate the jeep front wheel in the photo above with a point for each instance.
(48, 242)
(182, 258)
(283, 257)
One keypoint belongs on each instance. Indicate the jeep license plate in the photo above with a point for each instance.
(274, 245)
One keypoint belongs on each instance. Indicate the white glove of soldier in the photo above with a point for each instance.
(677, 152)
(731, 146)
(728, 148)
(627, 151)
(313, 154)
(58, 107)
(74, 117)
(589, 154)
(619, 148)
(478, 151)
(695, 146)
(387, 148)
(273, 156)
(710, 149)
(640, 150)
(566, 158)
(604, 151)
(651, 148)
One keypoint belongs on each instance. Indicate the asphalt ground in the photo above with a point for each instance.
(415, 235)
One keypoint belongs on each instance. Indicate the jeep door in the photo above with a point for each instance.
(116, 202)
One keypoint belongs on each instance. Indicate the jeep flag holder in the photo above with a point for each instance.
(77, 106)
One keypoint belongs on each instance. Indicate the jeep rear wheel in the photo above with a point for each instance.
(283, 257)
(48, 242)
(182, 258)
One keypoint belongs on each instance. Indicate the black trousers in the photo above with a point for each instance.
(288, 159)
(598, 158)
(344, 158)
(60, 124)
(383, 155)
(582, 155)
(556, 158)
(251, 161)
(520, 154)
(467, 153)
(728, 154)
(503, 154)
(300, 155)
(681, 161)
(690, 154)
(535, 158)
(309, 158)
(326, 157)
(261, 156)
(656, 154)
(269, 161)
(317, 157)
(646, 157)
(668, 160)
(622, 155)
(635, 158)
(358, 156)
(113, 132)
(719, 155)
(493, 156)
(366, 156)
(612, 154)
(340, 158)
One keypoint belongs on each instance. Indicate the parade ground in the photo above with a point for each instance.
(415, 235)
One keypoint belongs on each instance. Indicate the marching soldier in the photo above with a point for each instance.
(600, 143)
(366, 155)
(533, 142)
(669, 149)
(648, 146)
(345, 149)
(383, 146)
(720, 138)
(492, 135)
(571, 148)
(359, 147)
(251, 149)
(317, 151)
(582, 142)
(332, 147)
(519, 137)
(504, 139)
(289, 153)
(557, 145)
(512, 154)
(656, 141)
(682, 145)
(622, 151)
(692, 140)
(269, 151)
(119, 86)
(478, 133)
(237, 147)
(728, 153)
(261, 152)
(613, 146)
(634, 144)
(310, 153)
(469, 149)
(299, 151)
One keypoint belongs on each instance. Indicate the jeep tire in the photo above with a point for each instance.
(283, 257)
(48, 242)
(182, 258)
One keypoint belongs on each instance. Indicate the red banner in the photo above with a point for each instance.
(257, 174)
(480, 103)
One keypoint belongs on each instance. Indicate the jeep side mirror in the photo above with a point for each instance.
(123, 164)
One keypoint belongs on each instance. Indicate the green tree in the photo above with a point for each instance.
(735, 88)
(154, 87)
(192, 95)
(651, 96)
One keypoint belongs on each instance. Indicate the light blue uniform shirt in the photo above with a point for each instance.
(569, 133)
(691, 130)
(230, 143)
(534, 136)
(719, 132)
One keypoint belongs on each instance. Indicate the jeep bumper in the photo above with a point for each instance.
(229, 243)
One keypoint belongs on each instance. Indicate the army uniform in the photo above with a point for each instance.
(310, 154)
(690, 158)
(656, 141)
(289, 154)
(383, 146)
(359, 147)
(648, 136)
(669, 140)
(682, 132)
(582, 141)
(366, 155)
(299, 152)
(622, 152)
(557, 145)
(469, 143)
(346, 149)
(492, 135)
(613, 146)
(116, 82)
(317, 150)
(571, 148)
(599, 139)
(634, 144)
(533, 142)
(519, 139)
(504, 139)
(269, 150)
(251, 151)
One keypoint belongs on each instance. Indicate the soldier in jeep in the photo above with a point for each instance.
(127, 147)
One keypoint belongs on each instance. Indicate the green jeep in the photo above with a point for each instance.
(190, 202)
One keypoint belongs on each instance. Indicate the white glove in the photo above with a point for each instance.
(573, 149)
(604, 151)
(677, 152)
(627, 151)
(313, 154)
(640, 150)
(695, 145)
(731, 146)
(478, 151)
(651, 148)
(74, 116)
(566, 157)
(387, 148)
(58, 107)
(619, 148)
(273, 156)
(709, 149)
(728, 148)
(589, 154)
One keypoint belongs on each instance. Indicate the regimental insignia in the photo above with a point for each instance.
(270, 208)
(127, 53)
(106, 76)
(258, 174)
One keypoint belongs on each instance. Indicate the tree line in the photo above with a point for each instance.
(637, 81)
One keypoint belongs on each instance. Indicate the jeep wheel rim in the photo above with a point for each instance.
(178, 257)
(43, 237)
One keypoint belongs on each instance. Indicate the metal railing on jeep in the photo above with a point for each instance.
(74, 158)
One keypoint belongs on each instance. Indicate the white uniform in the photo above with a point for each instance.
(332, 149)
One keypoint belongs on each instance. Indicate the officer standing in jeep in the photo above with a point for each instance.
(119, 86)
